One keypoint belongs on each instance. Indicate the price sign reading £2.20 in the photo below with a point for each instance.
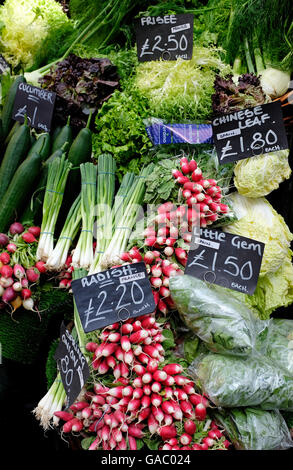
(72, 365)
(225, 259)
(113, 295)
(165, 37)
(249, 132)
(37, 104)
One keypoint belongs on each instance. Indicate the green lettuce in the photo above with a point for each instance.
(259, 221)
(260, 175)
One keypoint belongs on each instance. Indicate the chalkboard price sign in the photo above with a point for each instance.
(36, 103)
(113, 295)
(225, 259)
(249, 132)
(165, 37)
(72, 365)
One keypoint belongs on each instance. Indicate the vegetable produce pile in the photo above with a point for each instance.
(193, 365)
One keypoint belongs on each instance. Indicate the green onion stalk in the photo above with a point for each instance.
(105, 194)
(83, 253)
(56, 182)
(125, 216)
(57, 259)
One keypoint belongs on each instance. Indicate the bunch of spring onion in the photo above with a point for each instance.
(83, 253)
(58, 257)
(105, 195)
(125, 215)
(56, 182)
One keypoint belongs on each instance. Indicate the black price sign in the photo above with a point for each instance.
(113, 295)
(225, 259)
(36, 103)
(249, 132)
(164, 37)
(3, 65)
(72, 365)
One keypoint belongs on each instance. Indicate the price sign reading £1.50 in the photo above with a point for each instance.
(72, 365)
(113, 295)
(225, 259)
(249, 132)
(164, 37)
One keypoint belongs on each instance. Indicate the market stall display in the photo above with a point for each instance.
(114, 183)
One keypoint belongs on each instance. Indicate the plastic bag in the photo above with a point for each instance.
(255, 429)
(235, 381)
(280, 343)
(224, 323)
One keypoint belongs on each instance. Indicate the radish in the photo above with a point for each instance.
(64, 415)
(156, 399)
(26, 293)
(168, 408)
(145, 401)
(11, 247)
(176, 173)
(158, 414)
(6, 282)
(91, 346)
(190, 427)
(147, 390)
(167, 447)
(159, 376)
(139, 369)
(147, 378)
(128, 357)
(156, 282)
(86, 412)
(109, 349)
(168, 251)
(103, 367)
(119, 354)
(5, 258)
(137, 382)
(33, 274)
(150, 241)
(127, 391)
(133, 405)
(8, 295)
(16, 228)
(172, 369)
(200, 412)
(125, 257)
(116, 392)
(126, 328)
(35, 231)
(125, 343)
(67, 427)
(215, 434)
(124, 370)
(167, 432)
(4, 240)
(208, 441)
(196, 175)
(180, 394)
(138, 336)
(187, 408)
(28, 237)
(185, 439)
(189, 389)
(148, 322)
(6, 271)
(144, 358)
(149, 257)
(226, 443)
(151, 351)
(135, 431)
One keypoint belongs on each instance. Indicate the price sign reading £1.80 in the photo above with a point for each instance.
(72, 365)
(165, 37)
(113, 295)
(249, 132)
(225, 259)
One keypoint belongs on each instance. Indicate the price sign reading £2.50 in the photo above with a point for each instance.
(165, 37)
(249, 132)
(37, 104)
(225, 259)
(113, 295)
(72, 365)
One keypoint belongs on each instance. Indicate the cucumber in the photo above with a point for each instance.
(65, 135)
(32, 211)
(19, 188)
(15, 153)
(79, 152)
(55, 134)
(14, 128)
(42, 146)
(7, 121)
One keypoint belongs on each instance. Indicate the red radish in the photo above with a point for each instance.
(103, 367)
(33, 274)
(109, 349)
(195, 399)
(127, 391)
(17, 287)
(226, 443)
(149, 257)
(26, 293)
(167, 432)
(128, 357)
(151, 351)
(133, 405)
(180, 394)
(145, 400)
(79, 405)
(196, 175)
(16, 228)
(180, 380)
(172, 369)
(190, 426)
(224, 208)
(137, 382)
(144, 414)
(4, 240)
(67, 427)
(156, 387)
(122, 380)
(126, 328)
(124, 370)
(215, 434)
(135, 431)
(6, 271)
(167, 447)
(8, 295)
(189, 389)
(86, 412)
(144, 358)
(139, 369)
(159, 376)
(138, 336)
(119, 354)
(63, 284)
(200, 412)
(148, 322)
(156, 400)
(185, 439)
(168, 408)
(28, 237)
(98, 399)
(147, 390)
(125, 343)
(6, 282)
(150, 241)
(182, 179)
(91, 346)
(35, 231)
(116, 392)
(192, 165)
(114, 337)
(64, 415)
(11, 247)
(125, 257)
(147, 378)
(158, 414)
(5, 258)
(187, 408)
(168, 392)
(208, 441)
(176, 173)
(163, 232)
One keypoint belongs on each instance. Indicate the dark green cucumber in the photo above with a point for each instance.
(42, 146)
(15, 153)
(19, 190)
(55, 134)
(7, 121)
(33, 209)
(65, 135)
(13, 129)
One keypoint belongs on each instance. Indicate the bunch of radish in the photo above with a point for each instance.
(160, 270)
(148, 397)
(17, 278)
(65, 276)
(201, 191)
